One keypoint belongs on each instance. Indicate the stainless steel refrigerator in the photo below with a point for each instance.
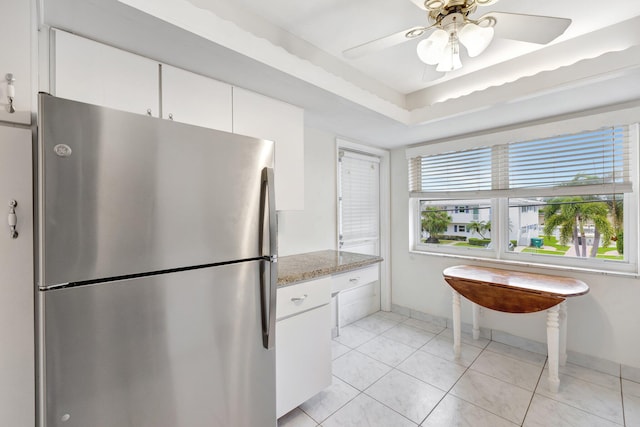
(156, 272)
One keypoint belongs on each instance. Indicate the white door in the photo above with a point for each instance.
(358, 228)
(359, 203)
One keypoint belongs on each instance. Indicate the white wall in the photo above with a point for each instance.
(605, 323)
(314, 228)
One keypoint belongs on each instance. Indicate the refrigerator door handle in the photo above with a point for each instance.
(270, 259)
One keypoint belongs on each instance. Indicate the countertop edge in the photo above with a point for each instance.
(314, 270)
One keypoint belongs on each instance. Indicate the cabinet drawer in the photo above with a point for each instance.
(303, 296)
(354, 278)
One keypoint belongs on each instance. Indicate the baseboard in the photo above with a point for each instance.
(580, 359)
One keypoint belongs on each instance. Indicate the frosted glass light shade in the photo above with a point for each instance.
(430, 50)
(475, 38)
(450, 59)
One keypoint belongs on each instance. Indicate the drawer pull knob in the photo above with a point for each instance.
(354, 280)
(299, 299)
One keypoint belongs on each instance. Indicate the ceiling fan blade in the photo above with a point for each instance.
(381, 43)
(527, 28)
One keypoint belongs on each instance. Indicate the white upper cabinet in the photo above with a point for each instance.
(195, 99)
(15, 61)
(91, 72)
(266, 118)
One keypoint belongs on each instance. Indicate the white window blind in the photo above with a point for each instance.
(468, 170)
(359, 197)
(589, 162)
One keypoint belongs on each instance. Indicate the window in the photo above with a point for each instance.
(359, 202)
(562, 200)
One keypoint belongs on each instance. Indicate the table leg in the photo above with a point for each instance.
(563, 333)
(476, 322)
(553, 340)
(456, 323)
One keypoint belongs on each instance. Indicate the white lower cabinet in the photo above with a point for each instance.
(303, 343)
(356, 295)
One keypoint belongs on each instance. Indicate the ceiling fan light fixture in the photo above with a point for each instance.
(450, 59)
(430, 50)
(475, 38)
(434, 4)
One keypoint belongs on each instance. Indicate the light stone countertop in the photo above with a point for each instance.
(311, 265)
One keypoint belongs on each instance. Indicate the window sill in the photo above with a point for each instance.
(629, 275)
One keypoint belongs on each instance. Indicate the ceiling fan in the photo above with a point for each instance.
(453, 25)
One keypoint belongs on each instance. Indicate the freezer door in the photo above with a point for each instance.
(123, 194)
(180, 349)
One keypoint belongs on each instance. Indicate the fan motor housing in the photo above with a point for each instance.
(436, 14)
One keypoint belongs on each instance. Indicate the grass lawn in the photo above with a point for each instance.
(602, 251)
(543, 251)
(617, 257)
(467, 245)
(553, 241)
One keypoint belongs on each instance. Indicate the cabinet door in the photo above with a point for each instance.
(91, 72)
(17, 379)
(303, 357)
(195, 99)
(261, 117)
(15, 33)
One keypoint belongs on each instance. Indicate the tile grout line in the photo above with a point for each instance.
(464, 400)
(624, 415)
(395, 368)
(534, 391)
(360, 392)
(466, 370)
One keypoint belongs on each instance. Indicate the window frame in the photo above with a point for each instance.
(500, 219)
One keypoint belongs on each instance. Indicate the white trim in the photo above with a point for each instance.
(558, 267)
(385, 214)
(355, 155)
(620, 114)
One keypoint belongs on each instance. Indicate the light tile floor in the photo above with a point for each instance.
(393, 371)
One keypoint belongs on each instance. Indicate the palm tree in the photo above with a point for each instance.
(434, 221)
(598, 213)
(571, 214)
(480, 227)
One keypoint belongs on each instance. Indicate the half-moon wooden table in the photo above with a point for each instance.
(516, 292)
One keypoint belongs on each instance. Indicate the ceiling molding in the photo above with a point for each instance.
(521, 77)
(607, 66)
(610, 39)
(204, 23)
(344, 105)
